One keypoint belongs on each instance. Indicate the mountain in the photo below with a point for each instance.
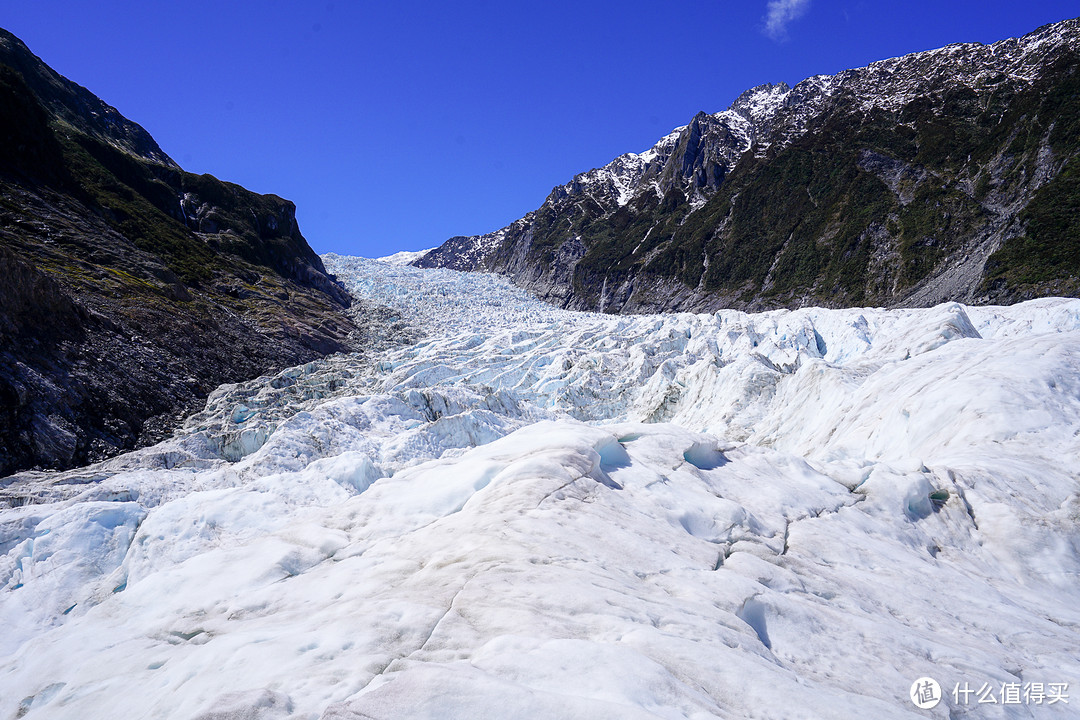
(950, 174)
(132, 288)
(537, 513)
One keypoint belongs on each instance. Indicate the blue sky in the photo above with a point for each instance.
(396, 126)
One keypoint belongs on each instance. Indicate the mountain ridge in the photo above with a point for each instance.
(673, 228)
(134, 288)
(78, 107)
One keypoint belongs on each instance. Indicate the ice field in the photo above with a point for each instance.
(533, 513)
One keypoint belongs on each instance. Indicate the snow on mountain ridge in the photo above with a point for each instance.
(760, 103)
(621, 178)
(776, 113)
(892, 83)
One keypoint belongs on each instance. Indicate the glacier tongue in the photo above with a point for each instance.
(530, 512)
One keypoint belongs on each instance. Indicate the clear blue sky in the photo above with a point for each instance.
(394, 126)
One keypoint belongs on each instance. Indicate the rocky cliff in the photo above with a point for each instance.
(130, 287)
(950, 174)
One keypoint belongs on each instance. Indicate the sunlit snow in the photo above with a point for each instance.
(532, 513)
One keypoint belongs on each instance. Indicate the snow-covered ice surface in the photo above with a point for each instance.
(404, 257)
(531, 513)
(440, 301)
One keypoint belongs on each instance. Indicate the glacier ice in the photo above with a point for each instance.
(530, 512)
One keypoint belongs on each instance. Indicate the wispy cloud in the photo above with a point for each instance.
(781, 13)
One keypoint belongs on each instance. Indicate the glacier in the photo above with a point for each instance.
(531, 512)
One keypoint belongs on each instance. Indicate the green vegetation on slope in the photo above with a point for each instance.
(1046, 258)
(861, 209)
(131, 213)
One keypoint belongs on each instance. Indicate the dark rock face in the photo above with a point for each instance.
(950, 174)
(74, 106)
(130, 289)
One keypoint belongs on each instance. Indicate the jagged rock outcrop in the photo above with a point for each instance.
(131, 288)
(942, 175)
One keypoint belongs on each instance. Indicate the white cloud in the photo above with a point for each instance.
(781, 13)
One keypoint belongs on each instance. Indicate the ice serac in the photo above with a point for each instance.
(532, 512)
(937, 176)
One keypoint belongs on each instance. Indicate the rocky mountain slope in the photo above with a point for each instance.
(950, 174)
(130, 287)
